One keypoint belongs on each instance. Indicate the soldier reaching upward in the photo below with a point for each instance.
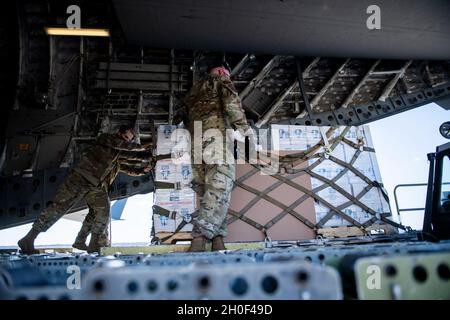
(89, 179)
(214, 102)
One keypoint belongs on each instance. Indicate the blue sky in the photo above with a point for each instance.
(401, 142)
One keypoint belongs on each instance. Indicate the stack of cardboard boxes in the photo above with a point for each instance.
(181, 199)
(300, 138)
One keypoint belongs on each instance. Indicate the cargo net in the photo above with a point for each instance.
(345, 181)
(345, 185)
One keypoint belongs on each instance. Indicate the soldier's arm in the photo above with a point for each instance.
(137, 155)
(123, 145)
(131, 162)
(233, 106)
(120, 144)
(137, 159)
(134, 170)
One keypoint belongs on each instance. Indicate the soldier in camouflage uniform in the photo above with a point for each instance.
(131, 164)
(89, 180)
(216, 104)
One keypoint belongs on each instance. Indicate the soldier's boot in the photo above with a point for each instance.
(198, 244)
(80, 241)
(217, 244)
(80, 246)
(103, 240)
(94, 244)
(26, 244)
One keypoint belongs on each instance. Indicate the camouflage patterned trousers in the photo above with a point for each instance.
(86, 229)
(213, 185)
(72, 190)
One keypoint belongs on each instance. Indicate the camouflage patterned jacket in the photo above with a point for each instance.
(100, 161)
(132, 164)
(215, 101)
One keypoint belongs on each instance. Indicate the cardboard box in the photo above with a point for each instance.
(168, 170)
(172, 140)
(176, 200)
(183, 202)
(165, 224)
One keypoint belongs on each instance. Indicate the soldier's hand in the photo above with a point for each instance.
(147, 169)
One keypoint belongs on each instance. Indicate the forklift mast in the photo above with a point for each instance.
(436, 223)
